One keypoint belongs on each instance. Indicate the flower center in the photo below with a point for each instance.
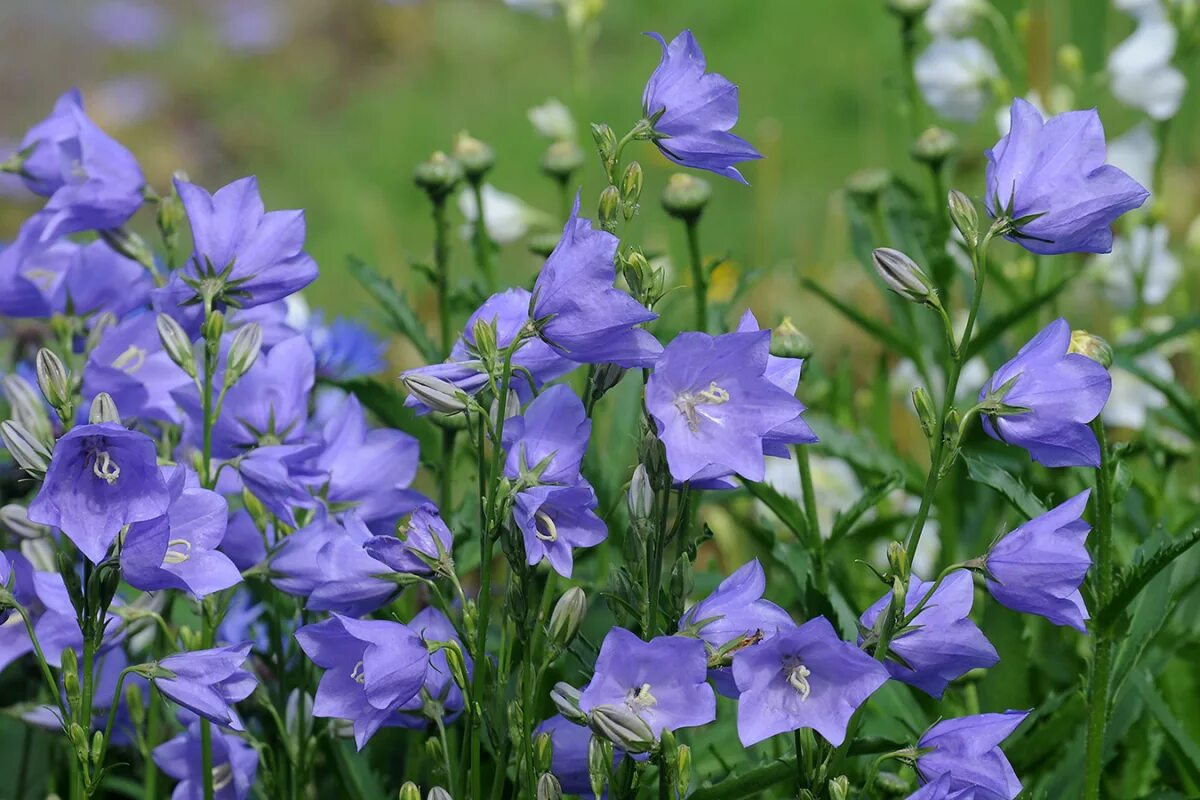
(222, 776)
(639, 699)
(131, 360)
(544, 527)
(357, 674)
(104, 467)
(686, 402)
(797, 678)
(178, 551)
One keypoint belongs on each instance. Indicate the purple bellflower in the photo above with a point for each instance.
(942, 643)
(92, 182)
(693, 110)
(130, 364)
(101, 478)
(327, 563)
(968, 749)
(939, 789)
(179, 549)
(569, 753)
(372, 667)
(555, 507)
(784, 373)
(279, 476)
(803, 677)
(424, 536)
(1062, 392)
(580, 312)
(439, 687)
(735, 614)
(209, 682)
(44, 596)
(244, 255)
(1039, 567)
(508, 312)
(344, 348)
(662, 681)
(74, 279)
(235, 765)
(1055, 169)
(714, 404)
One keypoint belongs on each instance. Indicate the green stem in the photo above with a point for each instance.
(483, 243)
(1098, 689)
(206, 752)
(51, 684)
(699, 280)
(150, 778)
(908, 51)
(441, 263)
(816, 541)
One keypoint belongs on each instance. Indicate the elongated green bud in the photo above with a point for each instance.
(622, 727)
(104, 409)
(904, 277)
(548, 787)
(964, 216)
(176, 343)
(55, 382)
(567, 617)
(600, 758)
(543, 752)
(243, 352)
(29, 453)
(610, 204)
(410, 791)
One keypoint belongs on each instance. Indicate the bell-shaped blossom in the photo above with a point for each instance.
(439, 686)
(208, 682)
(179, 549)
(735, 613)
(693, 110)
(508, 312)
(91, 180)
(131, 365)
(1141, 71)
(369, 470)
(244, 543)
(1055, 169)
(941, 644)
(939, 789)
(44, 596)
(372, 667)
(73, 279)
(326, 562)
(579, 311)
(968, 750)
(1061, 393)
(955, 77)
(424, 537)
(1141, 263)
(569, 753)
(1039, 567)
(234, 765)
(101, 478)
(715, 404)
(662, 681)
(784, 373)
(279, 476)
(244, 255)
(555, 505)
(804, 677)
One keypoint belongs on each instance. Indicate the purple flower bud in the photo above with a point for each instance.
(968, 749)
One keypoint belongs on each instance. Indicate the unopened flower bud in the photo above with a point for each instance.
(605, 378)
(622, 727)
(484, 334)
(102, 323)
(25, 448)
(788, 341)
(903, 276)
(213, 329)
(685, 196)
(867, 184)
(567, 617)
(548, 787)
(438, 793)
(610, 204)
(54, 381)
(15, 519)
(641, 495)
(476, 157)
(170, 215)
(908, 9)
(438, 175)
(410, 791)
(437, 394)
(839, 788)
(934, 146)
(606, 141)
(566, 699)
(562, 159)
(683, 770)
(963, 215)
(897, 558)
(26, 405)
(543, 752)
(457, 665)
(926, 414)
(97, 747)
(79, 741)
(243, 352)
(600, 758)
(631, 188)
(176, 344)
(128, 244)
(1092, 346)
(104, 409)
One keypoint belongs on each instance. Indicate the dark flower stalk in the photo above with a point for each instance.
(1101, 675)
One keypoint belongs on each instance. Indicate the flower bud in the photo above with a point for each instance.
(897, 558)
(934, 146)
(964, 216)
(436, 393)
(97, 747)
(683, 770)
(457, 665)
(641, 495)
(102, 323)
(25, 448)
(839, 788)
(605, 378)
(55, 382)
(27, 408)
(622, 727)
(484, 334)
(1092, 346)
(103, 409)
(1070, 58)
(410, 791)
(908, 9)
(543, 752)
(567, 617)
(685, 196)
(867, 184)
(212, 330)
(243, 352)
(438, 793)
(606, 141)
(79, 741)
(610, 204)
(15, 519)
(476, 157)
(562, 159)
(438, 175)
(548, 787)
(176, 344)
(600, 758)
(926, 414)
(788, 341)
(903, 276)
(128, 244)
(170, 215)
(631, 189)
(566, 699)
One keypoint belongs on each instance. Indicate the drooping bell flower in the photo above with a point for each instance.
(326, 562)
(234, 764)
(804, 677)
(439, 686)
(423, 538)
(968, 750)
(131, 365)
(1055, 172)
(44, 596)
(101, 478)
(693, 110)
(784, 373)
(208, 682)
(75, 279)
(1061, 393)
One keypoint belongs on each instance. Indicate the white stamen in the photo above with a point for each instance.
(104, 467)
(222, 776)
(687, 401)
(640, 699)
(797, 677)
(178, 551)
(541, 521)
(357, 674)
(131, 360)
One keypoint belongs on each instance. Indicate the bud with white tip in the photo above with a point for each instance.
(27, 408)
(25, 448)
(567, 617)
(103, 409)
(176, 344)
(566, 699)
(55, 382)
(243, 352)
(904, 277)
(548, 788)
(964, 216)
(439, 395)
(622, 727)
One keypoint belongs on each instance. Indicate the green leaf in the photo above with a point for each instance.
(996, 327)
(981, 470)
(1186, 751)
(844, 521)
(788, 510)
(886, 336)
(357, 780)
(396, 306)
(1145, 344)
(1152, 558)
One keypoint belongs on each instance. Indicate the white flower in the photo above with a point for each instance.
(299, 313)
(955, 77)
(1131, 398)
(507, 216)
(1141, 259)
(834, 483)
(553, 120)
(1134, 153)
(952, 17)
(1141, 72)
